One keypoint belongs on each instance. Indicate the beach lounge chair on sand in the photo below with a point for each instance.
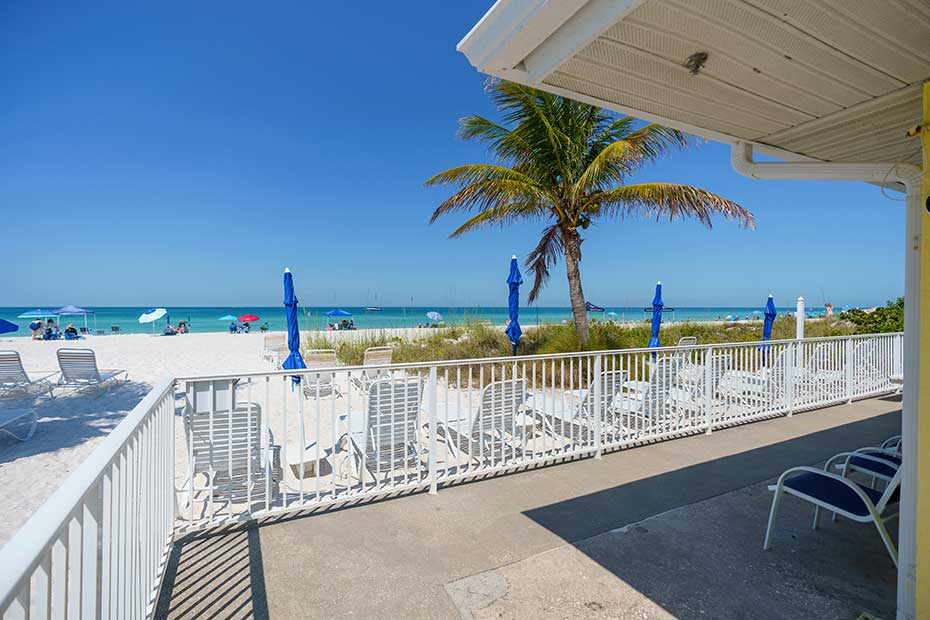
(688, 394)
(11, 418)
(374, 356)
(634, 412)
(226, 447)
(574, 416)
(79, 370)
(13, 377)
(840, 495)
(488, 434)
(271, 347)
(320, 384)
(384, 439)
(752, 389)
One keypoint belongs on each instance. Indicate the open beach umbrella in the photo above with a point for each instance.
(38, 313)
(6, 327)
(75, 311)
(657, 308)
(514, 280)
(294, 361)
(248, 318)
(227, 317)
(338, 312)
(151, 315)
(434, 316)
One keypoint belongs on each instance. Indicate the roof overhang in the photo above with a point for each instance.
(825, 80)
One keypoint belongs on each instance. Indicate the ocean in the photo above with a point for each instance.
(206, 319)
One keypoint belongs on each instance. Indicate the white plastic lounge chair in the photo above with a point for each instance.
(633, 410)
(271, 347)
(11, 418)
(320, 384)
(488, 433)
(13, 377)
(750, 388)
(842, 496)
(574, 417)
(823, 373)
(225, 445)
(384, 439)
(374, 356)
(79, 370)
(868, 373)
(688, 395)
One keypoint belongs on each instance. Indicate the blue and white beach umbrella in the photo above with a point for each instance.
(770, 314)
(38, 313)
(514, 280)
(6, 327)
(657, 308)
(434, 316)
(294, 361)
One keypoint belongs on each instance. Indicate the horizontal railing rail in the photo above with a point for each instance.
(255, 444)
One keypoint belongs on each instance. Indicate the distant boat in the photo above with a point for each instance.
(591, 307)
(373, 309)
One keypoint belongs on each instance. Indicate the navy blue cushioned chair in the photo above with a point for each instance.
(840, 495)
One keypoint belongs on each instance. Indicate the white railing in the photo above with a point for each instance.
(258, 444)
(98, 547)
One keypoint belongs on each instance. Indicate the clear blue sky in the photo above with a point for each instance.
(183, 153)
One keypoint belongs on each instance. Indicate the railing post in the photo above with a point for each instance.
(790, 356)
(433, 424)
(598, 407)
(799, 319)
(849, 369)
(708, 395)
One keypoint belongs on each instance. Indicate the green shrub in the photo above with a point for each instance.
(889, 318)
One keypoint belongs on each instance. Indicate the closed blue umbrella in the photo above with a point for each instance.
(514, 280)
(770, 314)
(657, 308)
(7, 327)
(294, 361)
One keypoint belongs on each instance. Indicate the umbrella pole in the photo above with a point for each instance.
(514, 349)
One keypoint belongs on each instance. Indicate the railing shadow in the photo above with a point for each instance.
(215, 576)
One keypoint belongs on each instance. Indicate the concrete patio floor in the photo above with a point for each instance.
(669, 530)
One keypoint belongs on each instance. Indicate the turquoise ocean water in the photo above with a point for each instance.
(202, 319)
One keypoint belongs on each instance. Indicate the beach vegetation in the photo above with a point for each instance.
(888, 318)
(566, 165)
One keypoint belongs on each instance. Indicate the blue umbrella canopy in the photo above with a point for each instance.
(514, 280)
(657, 308)
(294, 361)
(73, 310)
(227, 317)
(152, 314)
(38, 313)
(6, 327)
(338, 312)
(434, 316)
(770, 314)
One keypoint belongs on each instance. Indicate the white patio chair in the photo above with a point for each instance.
(225, 445)
(271, 348)
(492, 432)
(637, 411)
(11, 417)
(384, 439)
(79, 370)
(688, 394)
(374, 356)
(752, 389)
(840, 495)
(321, 383)
(573, 413)
(13, 377)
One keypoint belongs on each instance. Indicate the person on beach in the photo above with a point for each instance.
(71, 333)
(233, 328)
(246, 327)
(183, 328)
(264, 327)
(38, 330)
(51, 330)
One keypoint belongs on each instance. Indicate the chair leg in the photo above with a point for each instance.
(776, 500)
(816, 517)
(889, 544)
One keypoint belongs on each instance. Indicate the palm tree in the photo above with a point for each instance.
(566, 164)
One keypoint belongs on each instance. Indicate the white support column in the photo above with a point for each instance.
(799, 320)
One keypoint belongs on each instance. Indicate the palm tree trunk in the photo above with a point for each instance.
(571, 241)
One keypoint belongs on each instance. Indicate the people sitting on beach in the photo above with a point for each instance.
(71, 333)
(233, 328)
(351, 324)
(169, 331)
(246, 327)
(51, 330)
(183, 328)
(344, 324)
(264, 327)
(38, 330)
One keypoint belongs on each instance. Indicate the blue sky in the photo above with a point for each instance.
(187, 152)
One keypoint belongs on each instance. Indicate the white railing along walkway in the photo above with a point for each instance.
(258, 444)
